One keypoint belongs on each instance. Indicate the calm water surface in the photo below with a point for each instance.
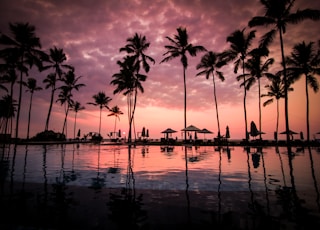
(200, 170)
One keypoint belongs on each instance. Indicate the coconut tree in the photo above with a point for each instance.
(31, 85)
(26, 45)
(70, 82)
(135, 48)
(257, 68)
(65, 99)
(278, 14)
(8, 108)
(128, 82)
(101, 100)
(275, 91)
(209, 64)
(56, 59)
(180, 47)
(240, 42)
(305, 61)
(116, 112)
(76, 107)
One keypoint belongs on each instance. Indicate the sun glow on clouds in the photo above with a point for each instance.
(91, 34)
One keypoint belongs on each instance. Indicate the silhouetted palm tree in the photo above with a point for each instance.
(305, 61)
(116, 112)
(76, 107)
(69, 83)
(31, 85)
(210, 62)
(179, 47)
(8, 109)
(278, 14)
(275, 91)
(57, 57)
(136, 48)
(102, 101)
(257, 69)
(240, 43)
(25, 44)
(65, 98)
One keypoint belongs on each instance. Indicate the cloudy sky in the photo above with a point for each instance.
(91, 33)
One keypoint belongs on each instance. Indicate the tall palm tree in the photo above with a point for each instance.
(135, 48)
(65, 98)
(116, 112)
(101, 100)
(69, 84)
(240, 43)
(209, 64)
(275, 91)
(305, 61)
(257, 69)
(129, 82)
(277, 13)
(56, 59)
(76, 107)
(179, 47)
(27, 46)
(31, 85)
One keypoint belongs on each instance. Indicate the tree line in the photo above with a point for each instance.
(23, 51)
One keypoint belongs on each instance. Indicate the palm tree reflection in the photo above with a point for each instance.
(126, 208)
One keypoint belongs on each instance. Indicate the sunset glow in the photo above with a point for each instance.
(92, 32)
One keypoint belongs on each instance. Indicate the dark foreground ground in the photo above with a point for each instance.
(45, 206)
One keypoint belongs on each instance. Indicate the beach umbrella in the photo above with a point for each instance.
(204, 131)
(253, 130)
(143, 133)
(167, 131)
(119, 133)
(227, 132)
(290, 132)
(78, 135)
(147, 134)
(191, 128)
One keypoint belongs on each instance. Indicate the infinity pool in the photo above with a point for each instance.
(215, 178)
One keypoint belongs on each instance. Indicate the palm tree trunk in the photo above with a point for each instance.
(277, 127)
(307, 102)
(74, 127)
(215, 100)
(244, 103)
(285, 89)
(65, 120)
(29, 115)
(50, 108)
(100, 120)
(185, 103)
(259, 107)
(19, 102)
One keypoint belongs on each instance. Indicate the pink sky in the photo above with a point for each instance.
(91, 33)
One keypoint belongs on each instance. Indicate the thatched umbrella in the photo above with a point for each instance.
(168, 131)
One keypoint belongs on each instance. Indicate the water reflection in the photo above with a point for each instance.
(142, 186)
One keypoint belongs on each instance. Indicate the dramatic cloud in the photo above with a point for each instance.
(91, 33)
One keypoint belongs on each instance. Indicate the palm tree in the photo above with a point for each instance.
(136, 48)
(209, 63)
(76, 107)
(278, 14)
(257, 69)
(101, 100)
(128, 82)
(305, 60)
(31, 84)
(70, 83)
(240, 43)
(25, 44)
(8, 109)
(179, 47)
(275, 91)
(57, 58)
(65, 98)
(116, 112)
